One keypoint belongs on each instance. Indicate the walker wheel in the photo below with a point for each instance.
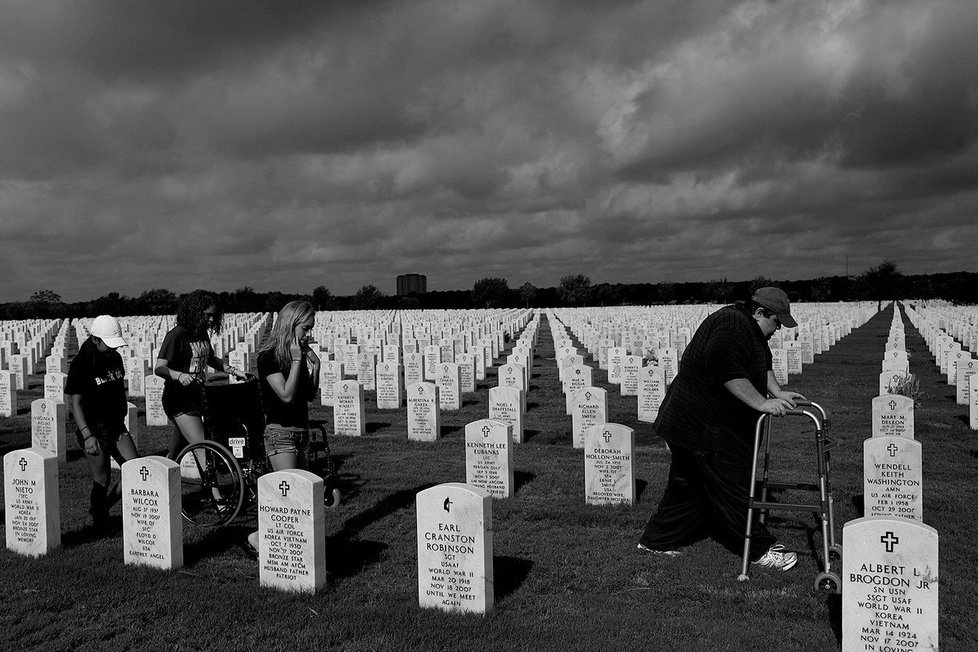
(332, 499)
(828, 583)
(835, 552)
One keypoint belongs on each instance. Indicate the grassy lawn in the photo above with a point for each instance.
(567, 575)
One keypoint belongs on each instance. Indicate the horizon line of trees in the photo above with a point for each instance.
(883, 282)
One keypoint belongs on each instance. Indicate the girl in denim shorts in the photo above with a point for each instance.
(288, 370)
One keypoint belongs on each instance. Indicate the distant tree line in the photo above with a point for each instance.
(883, 282)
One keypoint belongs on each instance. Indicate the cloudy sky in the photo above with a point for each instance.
(285, 145)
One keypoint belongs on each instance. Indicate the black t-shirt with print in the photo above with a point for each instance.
(288, 415)
(98, 378)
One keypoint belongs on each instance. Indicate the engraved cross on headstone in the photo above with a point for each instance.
(607, 437)
(23, 464)
(893, 448)
(284, 488)
(144, 472)
(420, 390)
(587, 395)
(889, 540)
(892, 405)
(485, 431)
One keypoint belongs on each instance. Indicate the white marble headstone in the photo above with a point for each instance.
(388, 386)
(152, 522)
(454, 529)
(291, 531)
(48, 426)
(489, 457)
(449, 386)
(893, 416)
(890, 585)
(153, 386)
(506, 405)
(8, 394)
(609, 475)
(893, 478)
(424, 412)
(589, 408)
(651, 391)
(348, 411)
(32, 515)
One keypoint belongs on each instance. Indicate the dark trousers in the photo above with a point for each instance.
(706, 495)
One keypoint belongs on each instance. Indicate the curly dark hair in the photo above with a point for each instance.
(191, 315)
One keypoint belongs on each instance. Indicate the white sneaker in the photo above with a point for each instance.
(664, 553)
(776, 557)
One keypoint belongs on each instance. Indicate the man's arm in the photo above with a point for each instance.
(774, 389)
(745, 392)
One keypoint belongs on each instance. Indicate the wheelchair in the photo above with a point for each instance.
(219, 476)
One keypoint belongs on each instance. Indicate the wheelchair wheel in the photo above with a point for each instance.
(211, 484)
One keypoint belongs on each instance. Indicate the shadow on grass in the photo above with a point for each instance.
(509, 573)
(450, 430)
(521, 478)
(348, 555)
(833, 603)
(87, 534)
(859, 505)
(640, 487)
(375, 426)
(965, 419)
(530, 405)
(529, 433)
(214, 542)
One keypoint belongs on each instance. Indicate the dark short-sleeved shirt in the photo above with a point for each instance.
(98, 378)
(185, 354)
(698, 412)
(287, 415)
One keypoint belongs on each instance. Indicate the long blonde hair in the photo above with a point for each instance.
(279, 341)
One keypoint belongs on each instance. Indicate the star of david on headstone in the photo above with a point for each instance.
(23, 465)
(607, 437)
(892, 405)
(448, 505)
(889, 540)
(144, 472)
(284, 488)
(893, 448)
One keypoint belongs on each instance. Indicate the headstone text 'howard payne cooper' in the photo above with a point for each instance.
(454, 528)
(291, 531)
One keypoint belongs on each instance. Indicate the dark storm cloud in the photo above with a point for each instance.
(288, 145)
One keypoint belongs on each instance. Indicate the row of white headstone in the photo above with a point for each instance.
(951, 335)
(890, 578)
